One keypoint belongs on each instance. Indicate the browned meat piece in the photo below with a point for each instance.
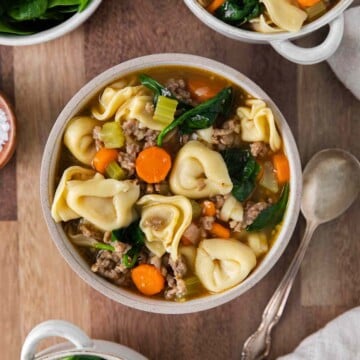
(237, 226)
(192, 233)
(178, 266)
(149, 107)
(127, 159)
(206, 222)
(89, 230)
(108, 265)
(139, 133)
(228, 134)
(96, 136)
(252, 210)
(176, 288)
(259, 149)
(179, 89)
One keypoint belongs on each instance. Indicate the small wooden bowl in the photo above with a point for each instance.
(9, 147)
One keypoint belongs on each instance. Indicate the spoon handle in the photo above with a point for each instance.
(257, 346)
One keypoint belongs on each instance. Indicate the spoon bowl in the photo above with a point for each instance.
(330, 185)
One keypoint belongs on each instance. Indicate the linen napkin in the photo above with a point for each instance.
(338, 340)
(346, 60)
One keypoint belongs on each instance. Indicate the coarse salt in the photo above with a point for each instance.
(4, 129)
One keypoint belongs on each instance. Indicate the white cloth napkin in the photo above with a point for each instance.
(338, 340)
(346, 60)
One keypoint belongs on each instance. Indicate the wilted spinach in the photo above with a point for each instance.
(23, 17)
(243, 169)
(202, 116)
(134, 236)
(273, 214)
(238, 12)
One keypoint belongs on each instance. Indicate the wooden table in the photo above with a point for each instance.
(36, 283)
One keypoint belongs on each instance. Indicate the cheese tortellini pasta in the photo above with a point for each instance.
(221, 264)
(285, 14)
(60, 210)
(232, 210)
(258, 124)
(78, 138)
(163, 221)
(199, 172)
(106, 203)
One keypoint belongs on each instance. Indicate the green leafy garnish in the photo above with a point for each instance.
(134, 236)
(237, 12)
(82, 357)
(273, 214)
(24, 17)
(202, 116)
(243, 170)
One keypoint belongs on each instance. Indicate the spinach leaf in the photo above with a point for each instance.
(238, 12)
(243, 169)
(7, 28)
(134, 236)
(27, 9)
(159, 89)
(272, 215)
(82, 357)
(202, 116)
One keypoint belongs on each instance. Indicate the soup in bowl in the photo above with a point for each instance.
(171, 183)
(277, 22)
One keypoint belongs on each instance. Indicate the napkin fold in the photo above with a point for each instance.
(338, 340)
(346, 60)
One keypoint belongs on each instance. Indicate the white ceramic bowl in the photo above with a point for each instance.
(79, 344)
(281, 41)
(79, 265)
(59, 30)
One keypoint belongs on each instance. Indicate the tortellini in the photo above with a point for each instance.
(106, 203)
(285, 14)
(163, 221)
(262, 25)
(258, 243)
(129, 102)
(221, 264)
(199, 172)
(258, 124)
(232, 210)
(79, 140)
(60, 211)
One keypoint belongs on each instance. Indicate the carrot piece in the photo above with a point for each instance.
(148, 279)
(201, 90)
(281, 165)
(208, 208)
(153, 164)
(103, 158)
(220, 231)
(214, 5)
(307, 3)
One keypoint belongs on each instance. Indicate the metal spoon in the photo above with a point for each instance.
(330, 186)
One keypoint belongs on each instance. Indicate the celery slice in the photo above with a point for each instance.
(193, 285)
(114, 171)
(112, 135)
(165, 110)
(316, 10)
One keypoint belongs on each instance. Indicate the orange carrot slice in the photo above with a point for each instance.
(103, 158)
(282, 169)
(148, 279)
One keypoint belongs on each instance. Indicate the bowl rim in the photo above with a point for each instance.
(252, 36)
(54, 32)
(78, 264)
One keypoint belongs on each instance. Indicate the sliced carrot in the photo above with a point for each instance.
(202, 90)
(208, 208)
(103, 158)
(148, 279)
(220, 231)
(153, 164)
(214, 5)
(307, 3)
(282, 169)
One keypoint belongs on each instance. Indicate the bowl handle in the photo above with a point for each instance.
(314, 55)
(52, 328)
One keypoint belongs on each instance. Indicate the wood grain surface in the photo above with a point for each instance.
(36, 284)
